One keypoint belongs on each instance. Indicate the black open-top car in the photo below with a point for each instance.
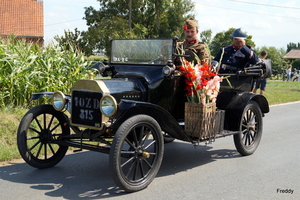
(135, 104)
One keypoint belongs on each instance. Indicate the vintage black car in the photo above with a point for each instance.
(134, 105)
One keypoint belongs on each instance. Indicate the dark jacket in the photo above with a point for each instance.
(236, 57)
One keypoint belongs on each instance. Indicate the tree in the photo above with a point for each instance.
(206, 36)
(296, 64)
(224, 38)
(140, 19)
(292, 45)
(70, 40)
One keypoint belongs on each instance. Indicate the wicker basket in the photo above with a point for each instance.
(200, 120)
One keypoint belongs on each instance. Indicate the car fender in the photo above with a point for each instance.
(235, 105)
(129, 108)
(38, 95)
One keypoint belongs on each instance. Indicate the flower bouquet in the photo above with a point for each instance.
(202, 84)
(202, 87)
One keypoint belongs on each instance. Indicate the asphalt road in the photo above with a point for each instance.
(215, 171)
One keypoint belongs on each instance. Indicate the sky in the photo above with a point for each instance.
(271, 23)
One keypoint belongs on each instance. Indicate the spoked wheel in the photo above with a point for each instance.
(247, 141)
(38, 131)
(136, 153)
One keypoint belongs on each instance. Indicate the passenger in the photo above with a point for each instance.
(236, 56)
(261, 83)
(192, 43)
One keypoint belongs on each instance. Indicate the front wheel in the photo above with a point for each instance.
(38, 134)
(247, 141)
(136, 153)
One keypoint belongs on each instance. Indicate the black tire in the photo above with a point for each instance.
(168, 138)
(136, 153)
(247, 141)
(39, 128)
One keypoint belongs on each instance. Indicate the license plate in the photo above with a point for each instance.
(85, 108)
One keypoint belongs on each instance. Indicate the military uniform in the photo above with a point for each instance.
(235, 58)
(197, 47)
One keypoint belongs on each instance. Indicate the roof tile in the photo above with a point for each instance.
(22, 18)
(293, 54)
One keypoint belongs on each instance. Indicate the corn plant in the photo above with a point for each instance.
(27, 68)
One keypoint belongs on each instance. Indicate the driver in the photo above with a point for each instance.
(235, 56)
(192, 43)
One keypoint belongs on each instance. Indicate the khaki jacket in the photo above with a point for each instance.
(198, 47)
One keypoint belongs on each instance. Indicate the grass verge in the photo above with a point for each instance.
(282, 91)
(9, 122)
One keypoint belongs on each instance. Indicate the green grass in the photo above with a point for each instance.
(9, 121)
(282, 91)
(276, 92)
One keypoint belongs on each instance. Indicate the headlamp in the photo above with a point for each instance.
(58, 100)
(108, 105)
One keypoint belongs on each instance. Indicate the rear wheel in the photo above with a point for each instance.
(38, 131)
(247, 141)
(136, 153)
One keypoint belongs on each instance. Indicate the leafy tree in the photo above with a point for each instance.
(296, 64)
(292, 45)
(224, 38)
(68, 38)
(73, 39)
(140, 19)
(206, 36)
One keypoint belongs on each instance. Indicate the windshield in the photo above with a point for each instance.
(145, 51)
